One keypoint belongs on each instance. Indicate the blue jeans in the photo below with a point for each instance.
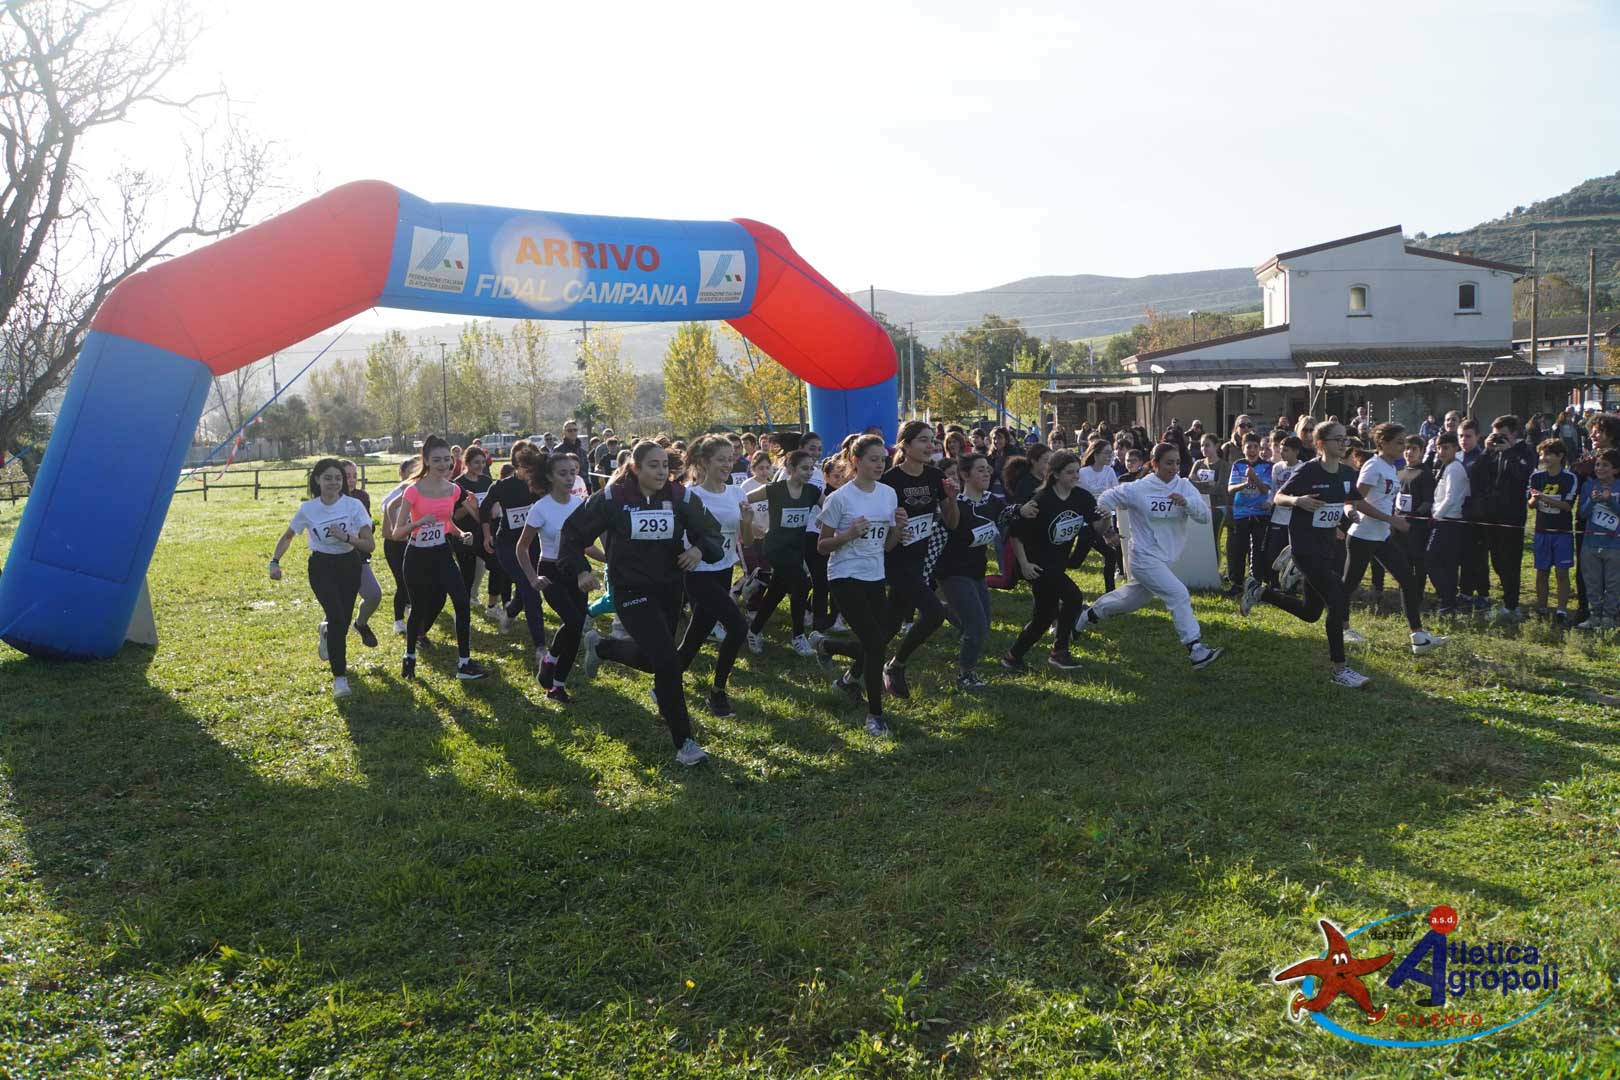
(967, 602)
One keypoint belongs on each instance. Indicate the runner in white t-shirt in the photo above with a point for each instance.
(555, 504)
(708, 587)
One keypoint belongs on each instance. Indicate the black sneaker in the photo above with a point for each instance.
(823, 656)
(1013, 663)
(969, 681)
(559, 694)
(367, 638)
(1063, 661)
(470, 670)
(407, 668)
(894, 680)
(852, 689)
(547, 673)
(719, 704)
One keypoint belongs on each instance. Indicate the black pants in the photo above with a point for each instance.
(710, 593)
(866, 610)
(1474, 577)
(816, 563)
(649, 616)
(1442, 559)
(1087, 542)
(1505, 543)
(1276, 540)
(789, 578)
(1415, 542)
(1389, 554)
(432, 576)
(394, 552)
(335, 581)
(571, 605)
(910, 592)
(1245, 547)
(1324, 590)
(468, 556)
(533, 612)
(1058, 598)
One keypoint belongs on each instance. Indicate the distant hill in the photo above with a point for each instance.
(1585, 216)
(1078, 306)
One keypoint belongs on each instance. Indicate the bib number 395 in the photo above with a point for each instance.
(652, 525)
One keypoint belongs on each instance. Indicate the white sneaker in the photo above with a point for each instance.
(1252, 589)
(618, 630)
(340, 687)
(321, 647)
(839, 625)
(876, 728)
(1594, 623)
(691, 753)
(491, 612)
(1202, 655)
(399, 626)
(718, 633)
(756, 643)
(1348, 678)
(502, 619)
(1423, 642)
(1354, 637)
(814, 637)
(590, 660)
(1085, 620)
(802, 646)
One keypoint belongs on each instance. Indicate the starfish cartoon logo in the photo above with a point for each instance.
(1336, 973)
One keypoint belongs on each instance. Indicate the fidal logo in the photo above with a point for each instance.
(1470, 990)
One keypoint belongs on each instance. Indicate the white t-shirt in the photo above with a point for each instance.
(1098, 481)
(321, 522)
(723, 505)
(389, 499)
(762, 516)
(861, 558)
(1280, 472)
(1158, 527)
(1379, 476)
(546, 517)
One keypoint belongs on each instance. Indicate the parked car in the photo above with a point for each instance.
(499, 443)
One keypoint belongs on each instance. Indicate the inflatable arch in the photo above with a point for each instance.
(79, 559)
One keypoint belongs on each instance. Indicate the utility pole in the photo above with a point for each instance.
(911, 363)
(1591, 295)
(444, 385)
(275, 383)
(584, 343)
(871, 300)
(1535, 296)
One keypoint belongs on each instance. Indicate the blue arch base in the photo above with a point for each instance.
(65, 583)
(837, 413)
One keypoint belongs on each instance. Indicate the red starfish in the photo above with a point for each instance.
(1339, 973)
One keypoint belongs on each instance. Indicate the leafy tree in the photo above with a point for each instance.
(953, 398)
(906, 351)
(338, 400)
(758, 390)
(529, 348)
(610, 382)
(236, 396)
(1024, 395)
(69, 232)
(288, 422)
(589, 414)
(693, 379)
(478, 378)
(988, 348)
(1559, 296)
(391, 367)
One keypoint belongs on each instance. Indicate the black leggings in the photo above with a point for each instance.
(648, 616)
(431, 575)
(816, 563)
(909, 592)
(1324, 589)
(710, 593)
(1392, 557)
(1058, 598)
(394, 552)
(866, 610)
(1246, 546)
(1088, 542)
(335, 581)
(789, 578)
(533, 611)
(570, 604)
(1276, 540)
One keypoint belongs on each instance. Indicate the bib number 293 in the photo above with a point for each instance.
(652, 525)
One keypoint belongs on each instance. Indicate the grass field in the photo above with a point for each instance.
(212, 869)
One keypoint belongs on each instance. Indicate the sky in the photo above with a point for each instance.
(941, 147)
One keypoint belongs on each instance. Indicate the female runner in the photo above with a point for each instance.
(1047, 527)
(708, 585)
(961, 565)
(555, 502)
(928, 497)
(790, 502)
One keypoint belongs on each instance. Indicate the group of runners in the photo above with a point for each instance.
(876, 546)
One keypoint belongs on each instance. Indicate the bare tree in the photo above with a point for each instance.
(67, 69)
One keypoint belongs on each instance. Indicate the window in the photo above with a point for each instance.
(1466, 294)
(1358, 300)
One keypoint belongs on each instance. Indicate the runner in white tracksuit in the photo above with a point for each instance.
(1156, 509)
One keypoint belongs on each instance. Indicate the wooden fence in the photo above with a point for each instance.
(202, 485)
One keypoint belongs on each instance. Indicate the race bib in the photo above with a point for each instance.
(875, 535)
(652, 524)
(918, 528)
(1605, 518)
(985, 535)
(1204, 476)
(334, 531)
(1403, 503)
(428, 535)
(1160, 506)
(1067, 528)
(795, 517)
(1328, 517)
(738, 479)
(479, 495)
(515, 519)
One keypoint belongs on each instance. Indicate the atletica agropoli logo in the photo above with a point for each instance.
(1465, 990)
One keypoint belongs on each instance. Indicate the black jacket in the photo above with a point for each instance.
(646, 564)
(1497, 482)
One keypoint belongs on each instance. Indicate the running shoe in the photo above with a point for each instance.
(502, 620)
(559, 694)
(718, 633)
(1062, 660)
(691, 753)
(876, 728)
(802, 646)
(1482, 603)
(399, 626)
(1423, 642)
(1593, 623)
(492, 612)
(590, 659)
(1354, 637)
(1561, 617)
(905, 628)
(823, 657)
(719, 705)
(1354, 680)
(407, 668)
(1504, 614)
(1202, 655)
(969, 681)
(756, 643)
(1085, 620)
(367, 638)
(839, 625)
(424, 644)
(894, 680)
(340, 687)
(1013, 663)
(617, 629)
(1253, 589)
(469, 670)
(320, 647)
(546, 671)
(852, 689)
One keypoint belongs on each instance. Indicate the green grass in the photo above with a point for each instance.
(208, 868)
